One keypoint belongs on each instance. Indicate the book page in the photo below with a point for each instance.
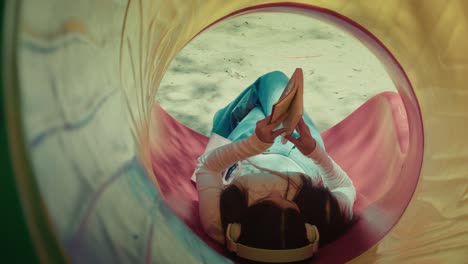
(291, 101)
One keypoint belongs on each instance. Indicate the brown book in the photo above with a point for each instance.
(291, 101)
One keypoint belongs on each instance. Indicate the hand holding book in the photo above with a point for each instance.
(265, 129)
(305, 143)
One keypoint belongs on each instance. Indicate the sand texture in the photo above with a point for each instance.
(339, 72)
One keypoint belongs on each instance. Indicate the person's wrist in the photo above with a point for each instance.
(255, 139)
(310, 148)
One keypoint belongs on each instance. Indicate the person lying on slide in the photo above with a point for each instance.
(284, 195)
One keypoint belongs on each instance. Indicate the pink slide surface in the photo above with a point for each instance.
(370, 145)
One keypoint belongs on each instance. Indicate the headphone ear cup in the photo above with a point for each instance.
(312, 233)
(234, 231)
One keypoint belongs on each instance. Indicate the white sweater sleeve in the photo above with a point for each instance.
(210, 184)
(336, 180)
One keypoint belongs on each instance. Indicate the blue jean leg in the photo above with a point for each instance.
(270, 88)
(247, 126)
(263, 93)
(227, 118)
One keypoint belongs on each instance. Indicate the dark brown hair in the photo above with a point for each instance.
(266, 225)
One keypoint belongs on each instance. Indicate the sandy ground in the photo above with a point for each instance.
(339, 72)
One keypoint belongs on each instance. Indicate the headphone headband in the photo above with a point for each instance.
(272, 255)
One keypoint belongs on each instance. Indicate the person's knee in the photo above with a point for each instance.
(274, 80)
(276, 75)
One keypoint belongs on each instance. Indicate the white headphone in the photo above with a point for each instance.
(233, 232)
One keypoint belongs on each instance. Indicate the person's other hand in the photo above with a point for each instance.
(305, 142)
(265, 130)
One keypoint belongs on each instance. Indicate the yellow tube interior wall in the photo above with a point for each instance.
(137, 39)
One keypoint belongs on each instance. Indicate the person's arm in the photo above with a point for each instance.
(334, 178)
(211, 166)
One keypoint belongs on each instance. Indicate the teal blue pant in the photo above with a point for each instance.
(238, 119)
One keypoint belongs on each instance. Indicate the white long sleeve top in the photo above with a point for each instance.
(261, 182)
